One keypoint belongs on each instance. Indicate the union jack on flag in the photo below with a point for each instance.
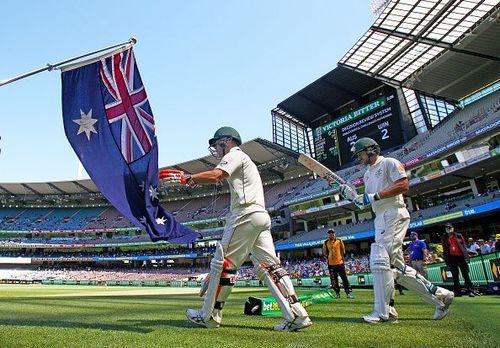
(126, 103)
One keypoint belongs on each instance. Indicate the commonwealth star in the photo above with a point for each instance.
(86, 123)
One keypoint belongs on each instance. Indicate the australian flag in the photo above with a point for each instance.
(110, 125)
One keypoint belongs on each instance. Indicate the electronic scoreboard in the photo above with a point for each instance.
(380, 120)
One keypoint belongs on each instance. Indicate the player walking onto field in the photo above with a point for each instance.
(385, 182)
(247, 230)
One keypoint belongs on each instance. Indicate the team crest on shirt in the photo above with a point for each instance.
(223, 163)
(378, 173)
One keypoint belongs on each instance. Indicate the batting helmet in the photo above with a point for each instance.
(225, 132)
(364, 144)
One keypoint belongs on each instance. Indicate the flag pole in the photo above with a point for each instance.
(49, 67)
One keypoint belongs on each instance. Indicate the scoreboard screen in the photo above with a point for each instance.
(379, 120)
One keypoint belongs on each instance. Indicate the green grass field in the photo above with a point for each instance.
(84, 316)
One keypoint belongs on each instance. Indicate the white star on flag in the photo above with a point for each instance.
(86, 123)
(161, 220)
(143, 220)
(153, 192)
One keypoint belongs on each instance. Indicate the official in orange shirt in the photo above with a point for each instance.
(334, 250)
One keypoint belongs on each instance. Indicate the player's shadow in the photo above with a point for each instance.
(185, 324)
(337, 319)
(157, 323)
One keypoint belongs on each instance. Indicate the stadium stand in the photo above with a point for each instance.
(476, 115)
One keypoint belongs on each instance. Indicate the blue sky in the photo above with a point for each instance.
(204, 64)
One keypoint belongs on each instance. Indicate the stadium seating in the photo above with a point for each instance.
(46, 218)
(276, 194)
(459, 123)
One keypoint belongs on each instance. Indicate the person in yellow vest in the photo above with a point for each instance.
(334, 250)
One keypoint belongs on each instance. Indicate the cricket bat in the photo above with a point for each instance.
(321, 170)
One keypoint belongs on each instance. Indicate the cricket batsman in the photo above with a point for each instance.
(385, 182)
(247, 231)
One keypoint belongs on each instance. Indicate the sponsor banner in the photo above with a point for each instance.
(147, 257)
(317, 242)
(454, 167)
(414, 181)
(315, 209)
(446, 275)
(495, 269)
(414, 161)
(308, 244)
(465, 212)
(310, 197)
(269, 306)
(446, 147)
(183, 256)
(495, 152)
(442, 218)
(204, 221)
(87, 231)
(361, 279)
(297, 213)
(79, 246)
(122, 258)
(15, 260)
(435, 152)
(119, 229)
(482, 208)
(487, 128)
(433, 175)
(416, 223)
(478, 158)
(54, 258)
(360, 235)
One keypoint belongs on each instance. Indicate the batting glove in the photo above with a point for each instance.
(176, 177)
(365, 200)
(347, 192)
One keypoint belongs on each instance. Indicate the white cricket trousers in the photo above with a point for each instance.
(250, 233)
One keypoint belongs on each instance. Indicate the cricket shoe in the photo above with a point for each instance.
(349, 295)
(374, 318)
(393, 314)
(442, 311)
(196, 316)
(295, 325)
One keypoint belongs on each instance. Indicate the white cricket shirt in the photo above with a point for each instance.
(245, 184)
(383, 173)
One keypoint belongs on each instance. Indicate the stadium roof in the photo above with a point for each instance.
(273, 160)
(49, 188)
(337, 88)
(448, 48)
